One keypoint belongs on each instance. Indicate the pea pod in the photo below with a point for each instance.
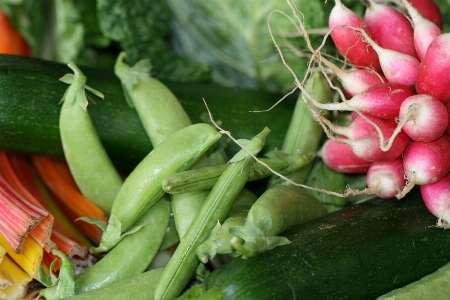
(181, 267)
(93, 171)
(219, 240)
(277, 210)
(142, 188)
(159, 111)
(137, 287)
(205, 178)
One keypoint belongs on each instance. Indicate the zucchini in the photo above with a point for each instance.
(29, 111)
(358, 252)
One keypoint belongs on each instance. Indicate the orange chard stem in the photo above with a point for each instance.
(69, 198)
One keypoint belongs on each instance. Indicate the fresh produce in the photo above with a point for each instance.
(359, 252)
(30, 124)
(436, 197)
(90, 165)
(278, 209)
(12, 42)
(181, 267)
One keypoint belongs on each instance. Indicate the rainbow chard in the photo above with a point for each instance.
(17, 216)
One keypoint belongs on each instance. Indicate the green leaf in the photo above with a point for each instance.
(233, 36)
(142, 29)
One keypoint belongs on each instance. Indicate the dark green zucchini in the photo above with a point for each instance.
(359, 252)
(29, 110)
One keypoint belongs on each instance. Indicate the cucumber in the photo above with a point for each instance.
(358, 252)
(30, 92)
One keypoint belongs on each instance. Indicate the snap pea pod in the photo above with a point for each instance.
(159, 111)
(304, 134)
(205, 178)
(181, 267)
(90, 165)
(277, 210)
(219, 240)
(142, 188)
(161, 115)
(133, 254)
(141, 286)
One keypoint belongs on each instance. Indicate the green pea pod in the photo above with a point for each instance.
(277, 210)
(133, 254)
(204, 178)
(141, 286)
(61, 286)
(142, 188)
(93, 171)
(181, 267)
(159, 111)
(304, 134)
(219, 240)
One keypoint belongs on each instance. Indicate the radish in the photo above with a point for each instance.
(425, 118)
(386, 179)
(397, 67)
(364, 125)
(433, 77)
(426, 162)
(448, 113)
(436, 197)
(348, 42)
(389, 28)
(425, 31)
(340, 158)
(430, 10)
(382, 100)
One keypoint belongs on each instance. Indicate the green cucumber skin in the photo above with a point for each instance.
(30, 92)
(359, 252)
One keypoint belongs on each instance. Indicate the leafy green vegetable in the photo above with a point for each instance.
(233, 36)
(142, 28)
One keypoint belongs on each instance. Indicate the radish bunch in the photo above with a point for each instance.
(399, 133)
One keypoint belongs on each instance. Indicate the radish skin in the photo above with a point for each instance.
(433, 77)
(448, 113)
(436, 197)
(426, 162)
(386, 179)
(340, 158)
(382, 100)
(348, 42)
(425, 31)
(356, 81)
(430, 10)
(426, 117)
(389, 28)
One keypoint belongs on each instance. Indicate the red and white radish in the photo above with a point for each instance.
(382, 100)
(448, 112)
(426, 162)
(386, 179)
(430, 10)
(425, 31)
(436, 197)
(424, 117)
(340, 158)
(433, 77)
(397, 67)
(348, 42)
(389, 28)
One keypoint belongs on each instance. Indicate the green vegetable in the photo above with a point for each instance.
(90, 165)
(278, 209)
(433, 286)
(141, 286)
(181, 267)
(358, 252)
(61, 286)
(29, 111)
(218, 241)
(233, 37)
(142, 188)
(205, 178)
(132, 255)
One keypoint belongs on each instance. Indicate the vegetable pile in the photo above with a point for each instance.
(116, 183)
